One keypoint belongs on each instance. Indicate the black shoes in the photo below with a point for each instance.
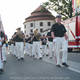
(66, 65)
(22, 58)
(1, 71)
(40, 58)
(50, 57)
(47, 55)
(58, 65)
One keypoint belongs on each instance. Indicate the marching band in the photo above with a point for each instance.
(34, 45)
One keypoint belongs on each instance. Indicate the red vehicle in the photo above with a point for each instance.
(73, 30)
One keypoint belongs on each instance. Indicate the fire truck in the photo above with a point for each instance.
(73, 31)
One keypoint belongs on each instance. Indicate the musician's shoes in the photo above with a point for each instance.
(66, 65)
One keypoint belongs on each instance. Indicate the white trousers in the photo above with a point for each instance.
(11, 48)
(43, 50)
(27, 49)
(51, 49)
(30, 49)
(60, 46)
(19, 50)
(14, 50)
(36, 49)
(1, 61)
(4, 52)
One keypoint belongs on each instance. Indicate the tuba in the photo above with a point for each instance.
(20, 34)
(37, 34)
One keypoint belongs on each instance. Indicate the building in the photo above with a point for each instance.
(1, 25)
(40, 18)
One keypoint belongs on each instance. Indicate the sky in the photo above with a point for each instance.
(14, 12)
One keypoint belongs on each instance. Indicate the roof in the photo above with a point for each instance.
(40, 13)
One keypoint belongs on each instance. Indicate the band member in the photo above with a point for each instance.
(26, 44)
(19, 39)
(4, 52)
(36, 45)
(7, 49)
(13, 49)
(2, 38)
(4, 48)
(30, 44)
(10, 46)
(50, 44)
(43, 43)
(60, 38)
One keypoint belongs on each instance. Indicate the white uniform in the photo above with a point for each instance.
(1, 60)
(50, 44)
(11, 48)
(19, 44)
(43, 41)
(14, 49)
(36, 45)
(36, 49)
(30, 49)
(51, 49)
(4, 52)
(43, 50)
(60, 45)
(20, 50)
(27, 48)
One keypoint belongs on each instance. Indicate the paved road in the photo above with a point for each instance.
(74, 57)
(33, 69)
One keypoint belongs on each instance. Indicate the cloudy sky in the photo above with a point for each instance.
(14, 12)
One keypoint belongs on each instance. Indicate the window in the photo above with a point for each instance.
(25, 32)
(49, 24)
(31, 24)
(41, 23)
(31, 30)
(25, 26)
(41, 30)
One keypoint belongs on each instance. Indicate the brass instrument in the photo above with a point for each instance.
(20, 34)
(37, 34)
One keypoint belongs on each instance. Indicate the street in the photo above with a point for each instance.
(45, 69)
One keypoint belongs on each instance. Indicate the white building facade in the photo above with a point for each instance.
(41, 19)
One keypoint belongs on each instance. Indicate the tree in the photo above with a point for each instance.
(63, 7)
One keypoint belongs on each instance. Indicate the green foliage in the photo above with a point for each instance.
(63, 7)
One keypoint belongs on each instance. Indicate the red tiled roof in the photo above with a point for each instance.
(40, 13)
